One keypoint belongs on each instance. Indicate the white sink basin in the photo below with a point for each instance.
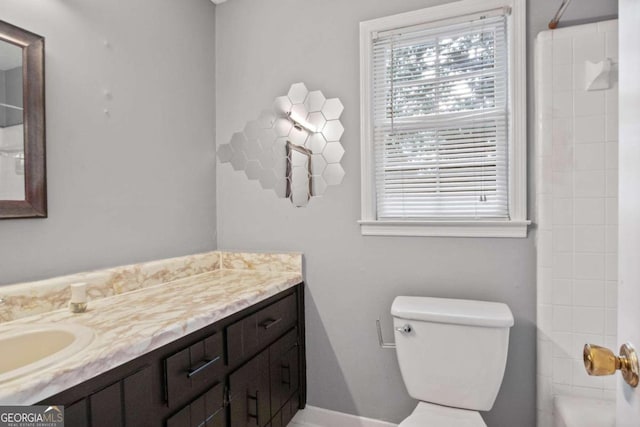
(26, 349)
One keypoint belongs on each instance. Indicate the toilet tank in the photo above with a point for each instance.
(456, 351)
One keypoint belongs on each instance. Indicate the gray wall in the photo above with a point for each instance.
(263, 47)
(138, 184)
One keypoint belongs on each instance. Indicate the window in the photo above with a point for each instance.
(444, 121)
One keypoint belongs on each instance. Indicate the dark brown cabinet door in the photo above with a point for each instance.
(219, 419)
(249, 391)
(106, 407)
(137, 398)
(77, 414)
(124, 403)
(207, 410)
(284, 378)
(180, 419)
(276, 421)
(288, 410)
(284, 369)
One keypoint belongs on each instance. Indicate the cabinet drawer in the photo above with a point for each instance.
(249, 335)
(275, 319)
(193, 369)
(207, 410)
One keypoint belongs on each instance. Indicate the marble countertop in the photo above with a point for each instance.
(131, 324)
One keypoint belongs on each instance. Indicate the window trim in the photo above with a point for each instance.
(517, 225)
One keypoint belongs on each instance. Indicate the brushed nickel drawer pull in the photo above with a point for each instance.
(202, 367)
(269, 323)
(257, 414)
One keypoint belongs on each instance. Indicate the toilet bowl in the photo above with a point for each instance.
(452, 355)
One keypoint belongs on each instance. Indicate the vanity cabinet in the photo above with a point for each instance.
(245, 370)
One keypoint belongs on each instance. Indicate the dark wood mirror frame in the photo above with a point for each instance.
(35, 203)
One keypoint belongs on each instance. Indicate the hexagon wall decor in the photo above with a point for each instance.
(294, 148)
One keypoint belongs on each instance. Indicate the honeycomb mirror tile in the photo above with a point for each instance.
(293, 148)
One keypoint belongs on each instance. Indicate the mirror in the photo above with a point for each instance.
(293, 149)
(22, 124)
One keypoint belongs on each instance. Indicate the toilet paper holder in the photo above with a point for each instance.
(404, 329)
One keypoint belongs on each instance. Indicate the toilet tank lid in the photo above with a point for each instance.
(453, 311)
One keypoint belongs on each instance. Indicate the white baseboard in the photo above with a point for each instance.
(318, 417)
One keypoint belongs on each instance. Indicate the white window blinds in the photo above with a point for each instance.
(440, 106)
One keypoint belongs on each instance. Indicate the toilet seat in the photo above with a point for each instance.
(431, 415)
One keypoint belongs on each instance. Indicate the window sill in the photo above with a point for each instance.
(488, 228)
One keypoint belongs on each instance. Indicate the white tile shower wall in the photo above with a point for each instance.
(576, 212)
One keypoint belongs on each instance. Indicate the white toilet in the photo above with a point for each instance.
(452, 354)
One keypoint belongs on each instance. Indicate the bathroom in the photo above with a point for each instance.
(141, 94)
